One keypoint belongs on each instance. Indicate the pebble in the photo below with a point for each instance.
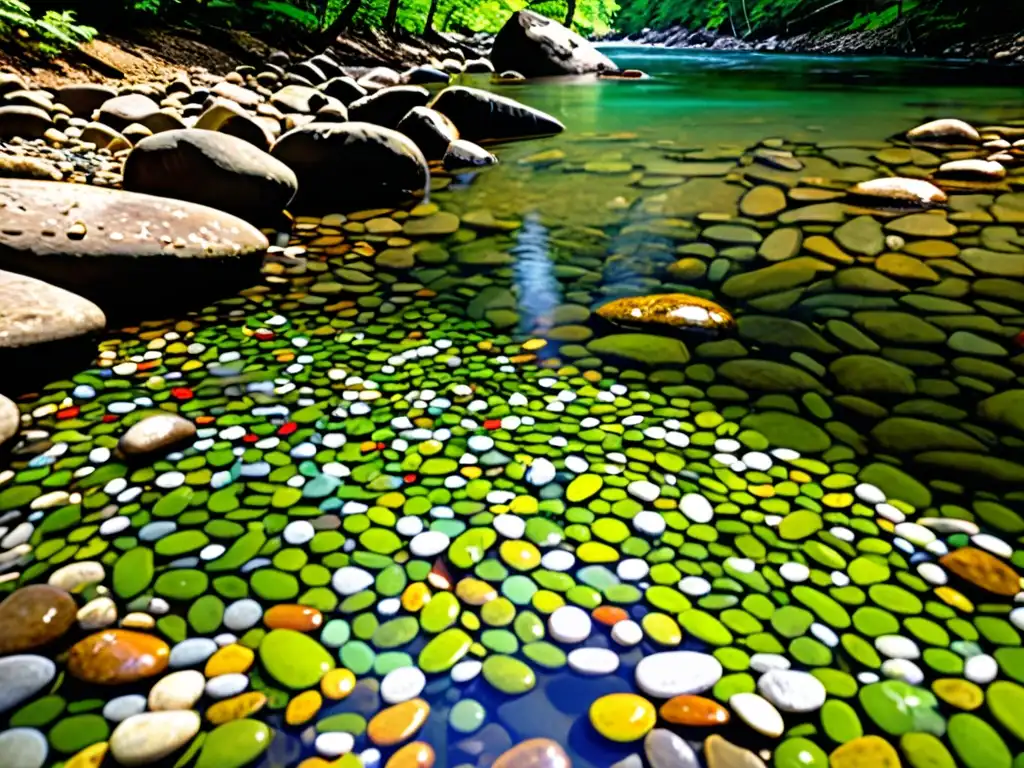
(123, 707)
(622, 717)
(666, 750)
(23, 748)
(673, 673)
(334, 744)
(792, 691)
(151, 736)
(178, 690)
(627, 633)
(402, 684)
(758, 713)
(593, 661)
(569, 625)
(22, 677)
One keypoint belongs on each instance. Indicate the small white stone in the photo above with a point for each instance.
(869, 494)
(242, 615)
(558, 560)
(992, 544)
(632, 569)
(467, 670)
(627, 632)
(949, 525)
(409, 525)
(696, 508)
(593, 661)
(510, 526)
(758, 713)
(758, 461)
(649, 522)
(694, 586)
(792, 691)
(981, 669)
(643, 490)
(915, 534)
(890, 513)
(429, 544)
(541, 472)
(402, 684)
(794, 572)
(569, 624)
(762, 662)
(178, 690)
(226, 686)
(1017, 618)
(349, 580)
(124, 707)
(903, 669)
(672, 673)
(897, 647)
(299, 532)
(334, 744)
(932, 573)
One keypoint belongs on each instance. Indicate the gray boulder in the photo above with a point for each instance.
(351, 164)
(484, 116)
(84, 99)
(538, 47)
(344, 89)
(26, 122)
(121, 111)
(388, 106)
(211, 168)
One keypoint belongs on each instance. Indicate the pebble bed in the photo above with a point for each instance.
(438, 512)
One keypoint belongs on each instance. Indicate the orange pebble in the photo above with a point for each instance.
(314, 762)
(303, 708)
(298, 617)
(396, 724)
(419, 754)
(338, 683)
(694, 710)
(230, 659)
(609, 615)
(415, 596)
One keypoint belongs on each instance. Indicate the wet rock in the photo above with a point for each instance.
(157, 433)
(121, 111)
(899, 191)
(763, 201)
(863, 374)
(425, 74)
(22, 677)
(1006, 408)
(299, 98)
(536, 46)
(641, 348)
(462, 154)
(345, 89)
(483, 116)
(117, 656)
(386, 163)
(379, 77)
(152, 736)
(534, 753)
(945, 131)
(429, 130)
(212, 169)
(227, 117)
(982, 570)
(783, 332)
(35, 313)
(974, 169)
(23, 748)
(676, 310)
(100, 242)
(388, 106)
(861, 235)
(34, 616)
(24, 122)
(17, 167)
(775, 278)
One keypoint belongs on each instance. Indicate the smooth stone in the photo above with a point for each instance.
(118, 656)
(192, 652)
(397, 723)
(720, 753)
(10, 419)
(666, 750)
(900, 191)
(674, 310)
(124, 707)
(674, 673)
(36, 313)
(242, 615)
(34, 616)
(593, 661)
(694, 711)
(509, 675)
(569, 624)
(159, 432)
(534, 753)
(982, 570)
(23, 748)
(758, 713)
(178, 690)
(293, 659)
(536, 46)
(152, 736)
(467, 715)
(22, 677)
(792, 691)
(622, 717)
(234, 744)
(402, 684)
(71, 578)
(480, 115)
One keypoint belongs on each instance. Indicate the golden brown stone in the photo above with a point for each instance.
(694, 710)
(297, 617)
(676, 310)
(864, 752)
(396, 724)
(724, 754)
(235, 708)
(34, 616)
(118, 656)
(419, 754)
(983, 570)
(534, 753)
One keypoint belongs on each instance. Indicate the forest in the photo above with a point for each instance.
(50, 25)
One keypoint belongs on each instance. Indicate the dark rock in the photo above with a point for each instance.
(462, 154)
(431, 131)
(299, 98)
(121, 111)
(213, 169)
(83, 100)
(332, 113)
(425, 74)
(105, 244)
(344, 89)
(483, 116)
(279, 58)
(355, 163)
(327, 65)
(34, 616)
(478, 65)
(293, 78)
(537, 46)
(35, 312)
(511, 75)
(228, 117)
(26, 122)
(310, 71)
(388, 106)
(10, 82)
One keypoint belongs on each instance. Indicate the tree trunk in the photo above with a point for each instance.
(428, 27)
(392, 15)
(570, 11)
(340, 24)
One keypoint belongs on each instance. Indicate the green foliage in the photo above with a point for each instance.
(48, 36)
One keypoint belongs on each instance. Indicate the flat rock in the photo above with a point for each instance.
(673, 673)
(104, 243)
(22, 677)
(36, 312)
(945, 131)
(10, 419)
(675, 310)
(24, 122)
(156, 433)
(152, 736)
(484, 116)
(899, 191)
(536, 46)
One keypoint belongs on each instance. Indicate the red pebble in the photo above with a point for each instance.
(288, 428)
(1019, 339)
(410, 478)
(251, 439)
(181, 393)
(492, 424)
(109, 417)
(264, 334)
(68, 413)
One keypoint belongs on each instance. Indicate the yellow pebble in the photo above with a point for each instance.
(596, 552)
(762, 491)
(415, 596)
(303, 708)
(520, 554)
(799, 477)
(474, 592)
(546, 601)
(236, 707)
(231, 659)
(865, 752)
(962, 694)
(470, 621)
(338, 683)
(623, 717)
(391, 500)
(954, 599)
(90, 757)
(524, 505)
(532, 345)
(471, 473)
(837, 500)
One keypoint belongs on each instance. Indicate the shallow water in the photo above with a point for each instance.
(344, 389)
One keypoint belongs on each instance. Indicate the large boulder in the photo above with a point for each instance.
(213, 169)
(26, 122)
(35, 313)
(354, 165)
(536, 46)
(431, 131)
(388, 105)
(10, 419)
(344, 89)
(121, 111)
(483, 116)
(228, 117)
(84, 99)
(117, 247)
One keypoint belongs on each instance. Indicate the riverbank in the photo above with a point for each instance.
(893, 40)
